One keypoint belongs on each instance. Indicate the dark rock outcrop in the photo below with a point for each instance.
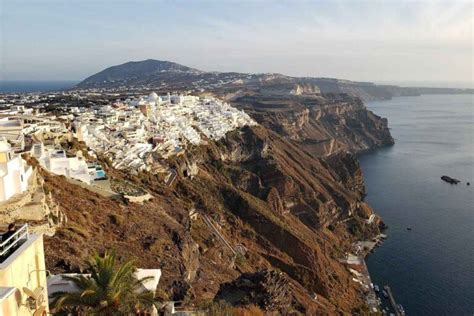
(450, 180)
(270, 290)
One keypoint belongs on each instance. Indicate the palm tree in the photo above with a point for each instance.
(111, 289)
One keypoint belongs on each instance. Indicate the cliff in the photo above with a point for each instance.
(283, 196)
(322, 126)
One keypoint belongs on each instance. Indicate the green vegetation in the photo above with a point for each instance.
(222, 308)
(240, 259)
(112, 289)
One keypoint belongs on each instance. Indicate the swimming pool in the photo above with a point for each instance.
(100, 174)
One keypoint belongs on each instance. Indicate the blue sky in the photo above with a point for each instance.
(360, 40)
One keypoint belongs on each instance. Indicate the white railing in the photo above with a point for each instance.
(14, 240)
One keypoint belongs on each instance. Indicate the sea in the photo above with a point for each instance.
(17, 86)
(429, 268)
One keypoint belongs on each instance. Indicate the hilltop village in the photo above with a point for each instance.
(134, 133)
(127, 132)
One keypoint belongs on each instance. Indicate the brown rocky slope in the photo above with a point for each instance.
(272, 197)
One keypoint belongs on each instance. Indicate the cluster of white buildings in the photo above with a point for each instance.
(133, 134)
(14, 127)
(126, 132)
(21, 132)
(56, 161)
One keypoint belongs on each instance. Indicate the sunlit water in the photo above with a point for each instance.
(431, 267)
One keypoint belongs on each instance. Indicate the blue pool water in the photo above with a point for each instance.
(100, 174)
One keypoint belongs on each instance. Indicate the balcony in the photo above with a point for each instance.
(8, 246)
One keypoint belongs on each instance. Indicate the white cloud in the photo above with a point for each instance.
(360, 40)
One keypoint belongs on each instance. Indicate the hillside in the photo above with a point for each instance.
(136, 70)
(288, 195)
(156, 74)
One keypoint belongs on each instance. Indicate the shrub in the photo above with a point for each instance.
(78, 231)
(220, 308)
(161, 295)
(239, 259)
(251, 310)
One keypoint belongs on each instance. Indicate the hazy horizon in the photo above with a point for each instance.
(428, 84)
(381, 42)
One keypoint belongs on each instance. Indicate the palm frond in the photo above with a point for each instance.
(111, 289)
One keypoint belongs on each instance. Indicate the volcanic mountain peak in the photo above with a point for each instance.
(138, 69)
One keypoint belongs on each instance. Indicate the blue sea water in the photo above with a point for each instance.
(13, 86)
(431, 267)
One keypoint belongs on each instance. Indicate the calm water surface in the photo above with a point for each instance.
(430, 268)
(12, 86)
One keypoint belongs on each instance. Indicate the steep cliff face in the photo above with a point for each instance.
(286, 195)
(322, 125)
(294, 211)
(348, 126)
(306, 89)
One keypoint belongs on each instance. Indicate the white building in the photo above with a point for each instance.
(82, 133)
(165, 125)
(14, 172)
(57, 162)
(12, 130)
(23, 286)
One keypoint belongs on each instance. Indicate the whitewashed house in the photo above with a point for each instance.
(12, 130)
(14, 172)
(57, 162)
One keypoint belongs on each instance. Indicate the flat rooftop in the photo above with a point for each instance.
(10, 123)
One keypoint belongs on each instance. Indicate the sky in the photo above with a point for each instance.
(378, 41)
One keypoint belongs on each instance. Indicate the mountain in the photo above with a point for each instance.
(156, 74)
(134, 70)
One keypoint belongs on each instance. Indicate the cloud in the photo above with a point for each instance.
(361, 40)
